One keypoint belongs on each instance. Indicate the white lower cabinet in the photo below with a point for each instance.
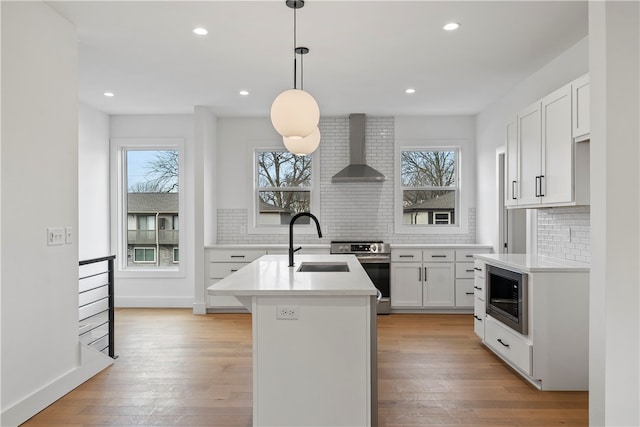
(508, 344)
(479, 298)
(223, 262)
(433, 278)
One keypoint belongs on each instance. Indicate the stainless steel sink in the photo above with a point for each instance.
(325, 267)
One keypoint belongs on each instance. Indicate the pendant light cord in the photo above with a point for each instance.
(295, 60)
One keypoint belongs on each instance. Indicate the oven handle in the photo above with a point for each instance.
(374, 259)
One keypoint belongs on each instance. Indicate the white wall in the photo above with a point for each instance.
(490, 128)
(41, 358)
(161, 290)
(614, 353)
(348, 210)
(93, 184)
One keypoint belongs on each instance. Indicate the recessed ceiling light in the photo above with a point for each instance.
(109, 94)
(200, 31)
(410, 90)
(244, 92)
(451, 26)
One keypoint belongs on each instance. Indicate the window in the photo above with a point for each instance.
(176, 255)
(144, 255)
(148, 205)
(283, 187)
(429, 187)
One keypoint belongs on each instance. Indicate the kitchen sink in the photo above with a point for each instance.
(308, 267)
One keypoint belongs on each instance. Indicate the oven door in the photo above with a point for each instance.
(378, 269)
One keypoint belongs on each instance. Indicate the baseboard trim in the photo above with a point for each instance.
(154, 302)
(91, 363)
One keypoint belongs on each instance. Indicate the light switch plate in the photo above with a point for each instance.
(68, 235)
(55, 236)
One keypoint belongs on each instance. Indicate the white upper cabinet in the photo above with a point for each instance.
(546, 166)
(581, 108)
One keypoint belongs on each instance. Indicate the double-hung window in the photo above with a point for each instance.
(283, 186)
(429, 188)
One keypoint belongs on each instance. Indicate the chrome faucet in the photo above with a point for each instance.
(294, 219)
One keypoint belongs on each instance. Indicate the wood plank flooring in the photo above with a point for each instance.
(177, 369)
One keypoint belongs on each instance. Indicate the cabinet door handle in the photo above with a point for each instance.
(537, 186)
(425, 274)
(237, 256)
(419, 274)
(502, 342)
(541, 188)
(513, 190)
(477, 287)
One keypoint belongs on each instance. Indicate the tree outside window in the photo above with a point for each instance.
(429, 182)
(283, 187)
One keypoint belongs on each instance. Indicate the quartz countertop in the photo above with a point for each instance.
(530, 263)
(270, 275)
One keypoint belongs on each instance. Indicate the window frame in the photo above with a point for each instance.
(462, 171)
(144, 248)
(119, 215)
(253, 227)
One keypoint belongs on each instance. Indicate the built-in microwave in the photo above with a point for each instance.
(507, 297)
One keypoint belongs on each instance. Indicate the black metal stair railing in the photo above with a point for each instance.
(96, 304)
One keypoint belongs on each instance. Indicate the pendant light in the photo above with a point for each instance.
(295, 113)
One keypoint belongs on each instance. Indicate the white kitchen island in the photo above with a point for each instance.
(314, 341)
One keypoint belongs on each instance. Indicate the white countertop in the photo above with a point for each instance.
(270, 275)
(530, 263)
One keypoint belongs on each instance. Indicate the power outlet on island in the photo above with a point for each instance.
(287, 312)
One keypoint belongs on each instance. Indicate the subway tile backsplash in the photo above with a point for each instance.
(348, 210)
(565, 233)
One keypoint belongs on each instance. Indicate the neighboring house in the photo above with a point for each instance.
(152, 231)
(436, 210)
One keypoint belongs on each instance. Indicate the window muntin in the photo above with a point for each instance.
(283, 187)
(429, 186)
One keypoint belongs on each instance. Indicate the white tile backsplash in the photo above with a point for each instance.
(348, 210)
(565, 233)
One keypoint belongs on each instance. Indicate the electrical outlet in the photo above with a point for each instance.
(287, 312)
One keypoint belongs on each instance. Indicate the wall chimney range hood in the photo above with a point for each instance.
(357, 170)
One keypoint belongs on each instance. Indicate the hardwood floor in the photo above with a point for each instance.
(177, 369)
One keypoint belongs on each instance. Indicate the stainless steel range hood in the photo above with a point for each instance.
(357, 170)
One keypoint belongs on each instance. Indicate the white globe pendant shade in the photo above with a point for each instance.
(295, 114)
(303, 146)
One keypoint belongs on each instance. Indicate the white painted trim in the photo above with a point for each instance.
(154, 302)
(463, 186)
(501, 154)
(252, 227)
(91, 363)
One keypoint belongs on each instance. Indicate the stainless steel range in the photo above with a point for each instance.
(375, 257)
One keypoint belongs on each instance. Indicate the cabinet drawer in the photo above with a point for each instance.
(479, 267)
(508, 344)
(479, 285)
(220, 270)
(464, 293)
(236, 255)
(479, 310)
(406, 255)
(464, 270)
(438, 255)
(467, 254)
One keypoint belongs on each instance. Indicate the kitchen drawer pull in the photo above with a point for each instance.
(469, 256)
(406, 256)
(233, 271)
(477, 318)
(477, 287)
(470, 271)
(477, 268)
(237, 256)
(502, 342)
(438, 256)
(469, 293)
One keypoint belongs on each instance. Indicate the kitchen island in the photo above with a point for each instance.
(314, 340)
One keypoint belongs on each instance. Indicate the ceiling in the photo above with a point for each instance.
(363, 54)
